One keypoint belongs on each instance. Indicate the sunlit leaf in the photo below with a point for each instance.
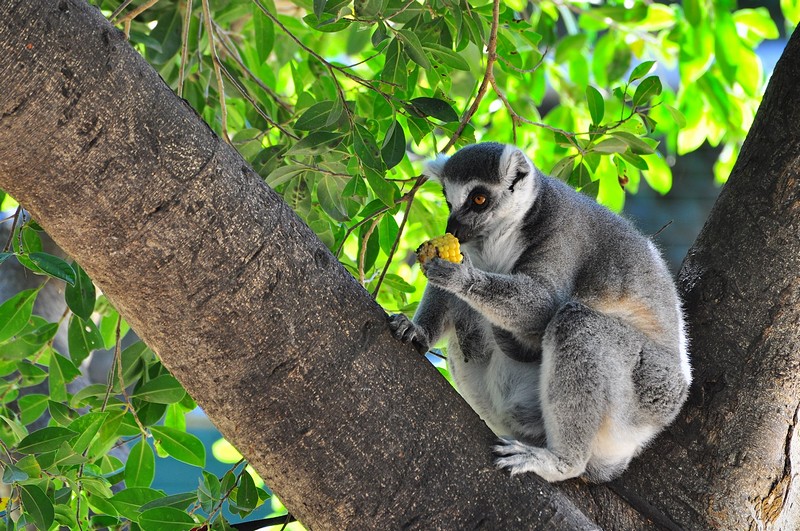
(180, 445)
(81, 296)
(15, 312)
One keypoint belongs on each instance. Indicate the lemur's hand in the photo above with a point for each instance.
(408, 331)
(449, 276)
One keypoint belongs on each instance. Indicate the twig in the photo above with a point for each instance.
(7, 246)
(187, 18)
(218, 508)
(258, 109)
(357, 225)
(235, 56)
(135, 13)
(363, 253)
(410, 201)
(120, 9)
(215, 62)
(488, 77)
(361, 81)
(659, 231)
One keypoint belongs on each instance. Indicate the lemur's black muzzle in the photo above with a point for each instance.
(458, 229)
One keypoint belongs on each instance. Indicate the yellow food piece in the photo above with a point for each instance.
(445, 247)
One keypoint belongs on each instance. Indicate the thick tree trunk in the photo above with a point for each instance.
(287, 354)
(291, 358)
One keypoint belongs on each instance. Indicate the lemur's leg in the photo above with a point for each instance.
(587, 364)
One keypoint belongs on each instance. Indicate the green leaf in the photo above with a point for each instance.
(596, 104)
(329, 194)
(37, 505)
(166, 519)
(394, 145)
(208, 492)
(60, 413)
(54, 266)
(88, 426)
(434, 107)
(637, 145)
(163, 389)
(12, 474)
(316, 143)
(178, 501)
(264, 33)
(659, 174)
(283, 174)
(385, 190)
(17, 428)
(366, 148)
(62, 371)
(316, 116)
(647, 89)
(446, 56)
(134, 359)
(45, 440)
(28, 344)
(247, 496)
(140, 469)
(5, 256)
(394, 67)
(180, 445)
(695, 11)
(83, 337)
(31, 374)
(15, 313)
(413, 48)
(128, 502)
(81, 296)
(388, 231)
(641, 70)
(31, 407)
(611, 145)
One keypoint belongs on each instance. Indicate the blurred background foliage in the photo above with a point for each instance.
(336, 104)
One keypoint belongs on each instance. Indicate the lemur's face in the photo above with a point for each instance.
(479, 184)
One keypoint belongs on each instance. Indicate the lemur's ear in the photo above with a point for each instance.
(434, 167)
(514, 166)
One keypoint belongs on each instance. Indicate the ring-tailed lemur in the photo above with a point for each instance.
(565, 330)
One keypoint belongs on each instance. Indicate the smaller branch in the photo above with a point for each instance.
(215, 62)
(357, 225)
(187, 18)
(488, 77)
(258, 109)
(659, 231)
(409, 198)
(218, 508)
(525, 70)
(7, 246)
(235, 56)
(133, 14)
(363, 252)
(120, 9)
(361, 81)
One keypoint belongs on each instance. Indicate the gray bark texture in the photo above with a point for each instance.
(293, 361)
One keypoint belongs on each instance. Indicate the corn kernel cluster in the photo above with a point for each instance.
(445, 247)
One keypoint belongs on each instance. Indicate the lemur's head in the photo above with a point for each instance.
(488, 187)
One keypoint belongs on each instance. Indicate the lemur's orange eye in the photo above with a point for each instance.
(479, 199)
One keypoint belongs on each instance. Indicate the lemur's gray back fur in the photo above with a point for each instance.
(565, 331)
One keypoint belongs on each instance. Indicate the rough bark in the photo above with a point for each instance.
(287, 354)
(290, 357)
